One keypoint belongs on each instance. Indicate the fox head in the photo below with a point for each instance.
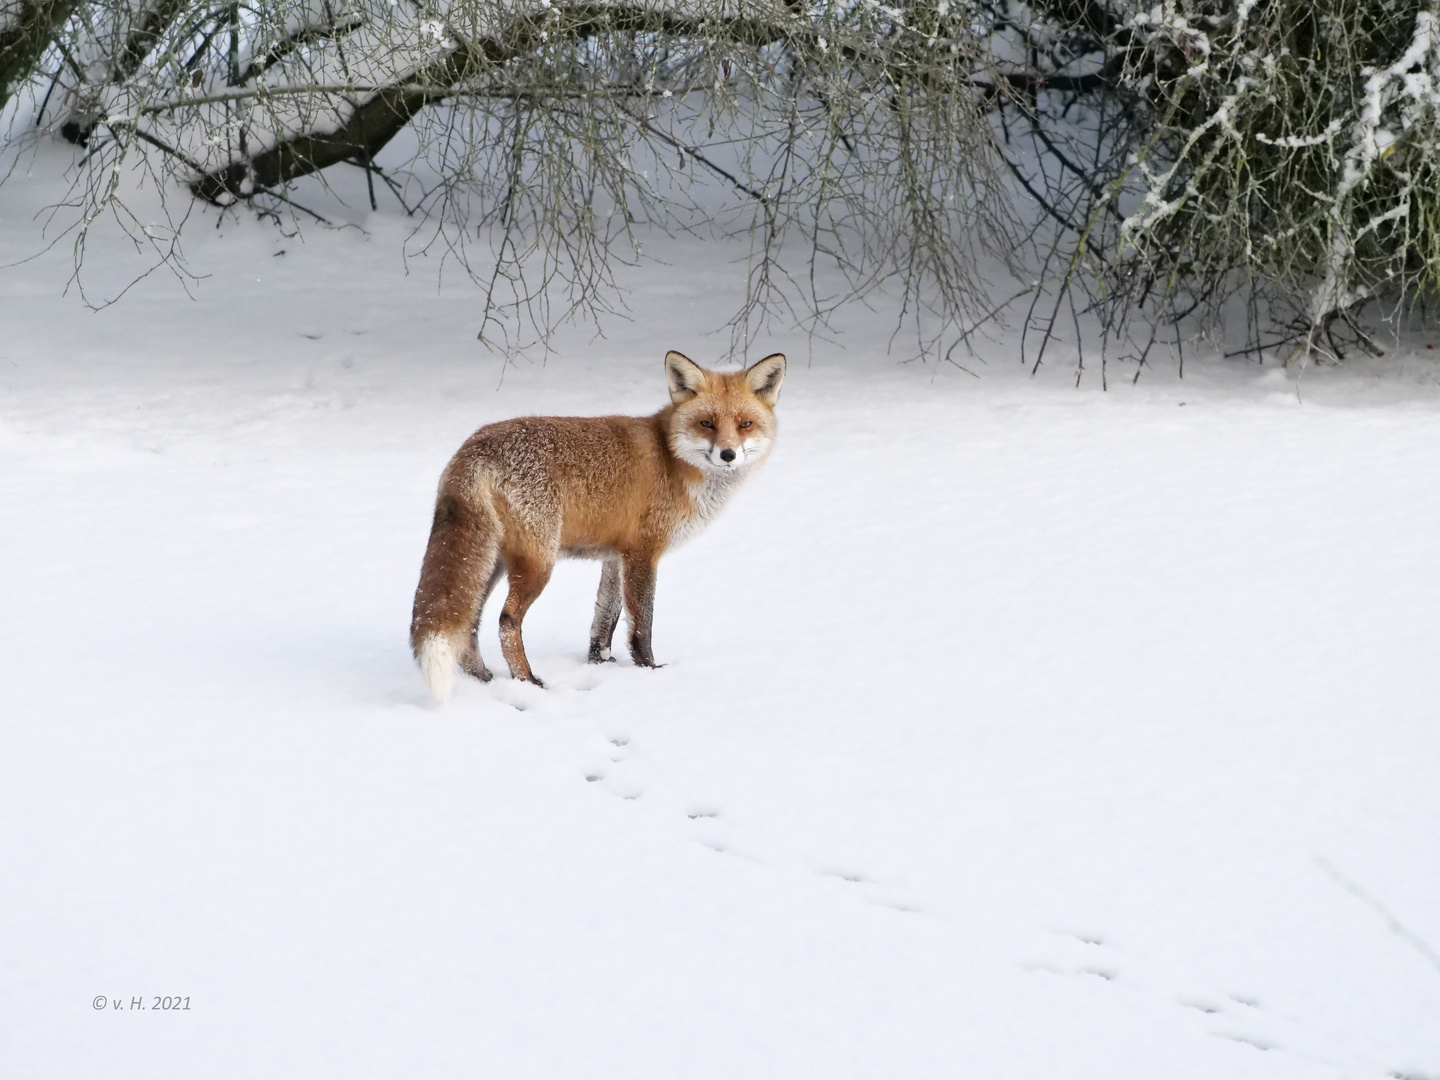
(723, 421)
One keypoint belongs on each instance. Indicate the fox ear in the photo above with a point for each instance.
(686, 377)
(764, 378)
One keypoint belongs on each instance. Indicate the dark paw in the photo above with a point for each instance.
(477, 671)
(641, 654)
(597, 655)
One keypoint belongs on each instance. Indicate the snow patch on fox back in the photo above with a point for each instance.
(437, 656)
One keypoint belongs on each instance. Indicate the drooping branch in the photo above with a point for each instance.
(1090, 17)
(365, 132)
(291, 43)
(567, 123)
(371, 124)
(144, 35)
(154, 19)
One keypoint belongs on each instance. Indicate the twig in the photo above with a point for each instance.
(1396, 927)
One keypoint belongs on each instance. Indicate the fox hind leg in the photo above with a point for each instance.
(528, 578)
(607, 612)
(470, 660)
(459, 562)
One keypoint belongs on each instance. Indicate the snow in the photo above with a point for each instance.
(1009, 729)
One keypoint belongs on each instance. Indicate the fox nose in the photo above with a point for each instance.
(727, 455)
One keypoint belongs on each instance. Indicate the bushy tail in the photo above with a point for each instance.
(437, 657)
(464, 545)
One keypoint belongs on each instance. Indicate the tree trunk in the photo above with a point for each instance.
(25, 36)
(371, 125)
(376, 121)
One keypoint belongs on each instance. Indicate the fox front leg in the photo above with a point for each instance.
(607, 612)
(639, 588)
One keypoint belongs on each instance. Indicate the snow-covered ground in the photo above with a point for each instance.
(1008, 730)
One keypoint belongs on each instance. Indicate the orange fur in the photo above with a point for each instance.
(522, 493)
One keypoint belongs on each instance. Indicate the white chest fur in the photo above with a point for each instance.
(709, 497)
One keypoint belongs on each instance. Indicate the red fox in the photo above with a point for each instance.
(519, 494)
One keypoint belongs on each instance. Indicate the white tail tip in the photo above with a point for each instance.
(437, 664)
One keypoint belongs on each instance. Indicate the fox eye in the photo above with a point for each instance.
(746, 424)
(707, 424)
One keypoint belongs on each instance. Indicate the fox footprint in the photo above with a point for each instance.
(1086, 955)
(1237, 1018)
(617, 774)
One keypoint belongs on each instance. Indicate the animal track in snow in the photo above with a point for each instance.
(616, 775)
(616, 767)
(1092, 958)
(1205, 1007)
(1245, 1021)
(706, 820)
(1089, 955)
(1244, 1040)
(904, 909)
(874, 891)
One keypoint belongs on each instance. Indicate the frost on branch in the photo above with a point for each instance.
(1286, 150)
(527, 138)
(1158, 161)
